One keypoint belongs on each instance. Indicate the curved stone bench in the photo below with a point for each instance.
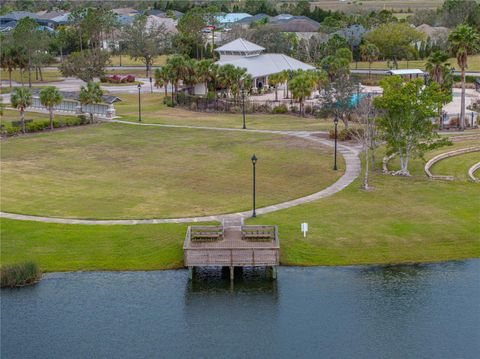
(444, 155)
(471, 172)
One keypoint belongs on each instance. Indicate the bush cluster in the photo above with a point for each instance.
(280, 109)
(168, 101)
(18, 275)
(468, 79)
(343, 135)
(118, 79)
(40, 125)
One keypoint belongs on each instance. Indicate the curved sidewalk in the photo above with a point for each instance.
(352, 170)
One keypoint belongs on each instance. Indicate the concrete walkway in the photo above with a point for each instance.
(352, 170)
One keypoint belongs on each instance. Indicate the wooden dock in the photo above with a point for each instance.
(231, 246)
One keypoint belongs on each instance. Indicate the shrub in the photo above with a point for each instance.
(210, 95)
(468, 79)
(82, 119)
(19, 275)
(36, 126)
(455, 121)
(343, 135)
(40, 125)
(280, 109)
(168, 101)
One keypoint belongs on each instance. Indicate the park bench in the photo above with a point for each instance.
(19, 123)
(206, 234)
(258, 233)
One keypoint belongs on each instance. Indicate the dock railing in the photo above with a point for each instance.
(253, 246)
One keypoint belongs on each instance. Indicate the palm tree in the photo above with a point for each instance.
(21, 98)
(301, 86)
(335, 66)
(240, 81)
(91, 94)
(275, 80)
(162, 78)
(464, 40)
(178, 68)
(436, 65)
(225, 78)
(439, 71)
(369, 52)
(204, 71)
(286, 76)
(50, 97)
(8, 59)
(320, 78)
(190, 74)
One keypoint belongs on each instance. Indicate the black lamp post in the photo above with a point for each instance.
(335, 121)
(243, 109)
(254, 161)
(358, 94)
(139, 106)
(151, 85)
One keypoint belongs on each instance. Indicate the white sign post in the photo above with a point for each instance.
(304, 229)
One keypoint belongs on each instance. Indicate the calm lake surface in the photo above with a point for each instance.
(421, 311)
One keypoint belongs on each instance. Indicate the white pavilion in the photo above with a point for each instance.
(245, 54)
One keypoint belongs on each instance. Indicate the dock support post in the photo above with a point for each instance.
(274, 272)
(190, 273)
(232, 273)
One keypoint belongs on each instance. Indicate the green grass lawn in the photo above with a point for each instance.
(128, 61)
(402, 220)
(57, 247)
(473, 64)
(48, 76)
(124, 171)
(154, 111)
(456, 166)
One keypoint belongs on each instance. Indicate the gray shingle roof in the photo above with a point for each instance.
(249, 20)
(17, 15)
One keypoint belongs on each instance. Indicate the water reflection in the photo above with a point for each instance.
(247, 280)
(419, 311)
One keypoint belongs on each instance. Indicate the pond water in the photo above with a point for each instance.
(418, 311)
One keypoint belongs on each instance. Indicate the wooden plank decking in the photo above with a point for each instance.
(236, 246)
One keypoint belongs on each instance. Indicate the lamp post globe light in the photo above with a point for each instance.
(254, 162)
(139, 106)
(335, 121)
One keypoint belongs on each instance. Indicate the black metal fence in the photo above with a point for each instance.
(196, 103)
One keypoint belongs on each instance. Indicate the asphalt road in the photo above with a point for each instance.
(353, 71)
(383, 72)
